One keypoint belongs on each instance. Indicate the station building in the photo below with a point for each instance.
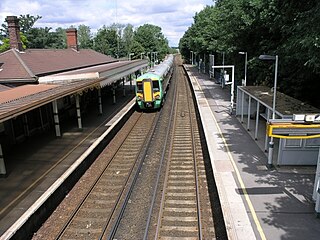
(42, 88)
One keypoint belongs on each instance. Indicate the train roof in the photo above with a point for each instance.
(160, 70)
(147, 75)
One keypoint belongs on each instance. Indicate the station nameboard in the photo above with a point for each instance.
(292, 130)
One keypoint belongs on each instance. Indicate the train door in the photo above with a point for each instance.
(147, 90)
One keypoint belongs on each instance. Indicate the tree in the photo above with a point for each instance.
(85, 37)
(106, 41)
(26, 22)
(6, 43)
(152, 39)
(45, 38)
(127, 39)
(288, 29)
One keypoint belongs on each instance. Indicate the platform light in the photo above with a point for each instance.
(272, 58)
(245, 67)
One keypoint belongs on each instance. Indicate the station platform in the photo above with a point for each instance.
(257, 203)
(34, 165)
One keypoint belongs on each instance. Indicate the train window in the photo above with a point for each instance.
(139, 87)
(156, 87)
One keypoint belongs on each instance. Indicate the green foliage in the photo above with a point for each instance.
(5, 45)
(84, 37)
(289, 29)
(106, 41)
(45, 38)
(152, 39)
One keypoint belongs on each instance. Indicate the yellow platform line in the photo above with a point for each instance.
(242, 185)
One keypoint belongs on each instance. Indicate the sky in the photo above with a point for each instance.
(173, 16)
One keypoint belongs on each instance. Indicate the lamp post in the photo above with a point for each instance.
(245, 67)
(271, 143)
(191, 57)
(154, 58)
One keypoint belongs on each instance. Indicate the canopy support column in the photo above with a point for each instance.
(78, 111)
(100, 101)
(25, 125)
(3, 171)
(130, 78)
(56, 118)
(124, 90)
(114, 94)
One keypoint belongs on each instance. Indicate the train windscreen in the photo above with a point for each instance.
(139, 87)
(156, 87)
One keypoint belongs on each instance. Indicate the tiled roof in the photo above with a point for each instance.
(19, 100)
(27, 66)
(4, 88)
(23, 91)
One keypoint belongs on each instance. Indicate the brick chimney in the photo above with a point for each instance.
(14, 32)
(72, 39)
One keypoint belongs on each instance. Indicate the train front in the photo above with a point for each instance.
(148, 91)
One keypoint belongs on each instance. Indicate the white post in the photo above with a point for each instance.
(204, 63)
(2, 164)
(316, 181)
(245, 69)
(271, 143)
(257, 121)
(232, 90)
(56, 118)
(191, 57)
(249, 112)
(242, 102)
(267, 137)
(78, 111)
(100, 101)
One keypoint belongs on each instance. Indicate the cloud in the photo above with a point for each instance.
(173, 16)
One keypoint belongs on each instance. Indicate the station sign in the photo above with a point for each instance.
(301, 126)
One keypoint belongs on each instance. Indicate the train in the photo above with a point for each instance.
(151, 86)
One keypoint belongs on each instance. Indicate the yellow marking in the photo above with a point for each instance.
(147, 91)
(245, 193)
(50, 169)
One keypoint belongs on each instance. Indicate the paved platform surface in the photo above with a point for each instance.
(37, 163)
(257, 203)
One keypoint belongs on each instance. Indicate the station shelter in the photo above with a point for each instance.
(254, 108)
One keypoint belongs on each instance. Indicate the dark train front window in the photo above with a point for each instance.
(156, 87)
(139, 87)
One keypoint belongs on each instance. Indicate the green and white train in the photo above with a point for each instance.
(151, 87)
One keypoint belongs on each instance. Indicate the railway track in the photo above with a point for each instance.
(180, 208)
(160, 161)
(93, 215)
